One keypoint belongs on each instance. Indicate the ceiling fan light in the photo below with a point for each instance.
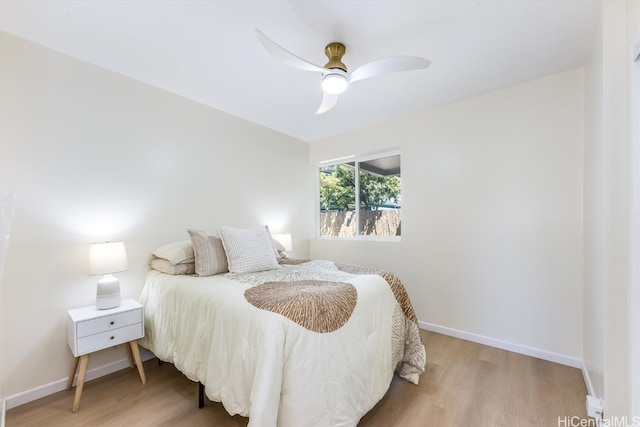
(334, 83)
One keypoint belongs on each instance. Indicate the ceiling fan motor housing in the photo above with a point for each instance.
(334, 52)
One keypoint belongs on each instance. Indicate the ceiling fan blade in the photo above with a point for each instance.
(388, 65)
(328, 102)
(285, 56)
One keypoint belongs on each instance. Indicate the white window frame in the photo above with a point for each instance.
(356, 160)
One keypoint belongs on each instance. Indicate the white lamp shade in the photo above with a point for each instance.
(285, 240)
(107, 258)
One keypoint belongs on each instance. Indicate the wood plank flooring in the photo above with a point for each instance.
(466, 385)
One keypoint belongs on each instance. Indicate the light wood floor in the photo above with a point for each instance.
(466, 384)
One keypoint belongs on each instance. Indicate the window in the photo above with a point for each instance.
(372, 184)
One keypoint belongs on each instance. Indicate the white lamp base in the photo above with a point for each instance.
(108, 293)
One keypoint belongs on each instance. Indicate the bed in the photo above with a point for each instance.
(309, 343)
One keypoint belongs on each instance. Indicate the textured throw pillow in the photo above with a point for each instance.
(209, 252)
(176, 252)
(248, 249)
(165, 266)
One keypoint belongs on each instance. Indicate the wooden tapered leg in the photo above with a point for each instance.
(136, 355)
(130, 354)
(84, 361)
(72, 374)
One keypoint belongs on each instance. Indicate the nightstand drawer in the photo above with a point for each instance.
(114, 337)
(108, 323)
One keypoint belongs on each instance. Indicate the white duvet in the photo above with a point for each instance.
(264, 366)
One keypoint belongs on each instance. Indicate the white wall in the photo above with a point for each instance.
(633, 208)
(594, 194)
(633, 306)
(492, 213)
(94, 156)
(607, 193)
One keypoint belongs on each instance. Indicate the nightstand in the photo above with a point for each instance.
(90, 329)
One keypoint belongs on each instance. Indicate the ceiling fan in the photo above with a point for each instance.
(335, 77)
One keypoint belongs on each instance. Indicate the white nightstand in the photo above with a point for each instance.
(90, 329)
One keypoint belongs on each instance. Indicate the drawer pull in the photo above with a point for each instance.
(112, 322)
(112, 337)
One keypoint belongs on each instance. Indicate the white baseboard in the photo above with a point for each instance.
(4, 411)
(504, 345)
(59, 385)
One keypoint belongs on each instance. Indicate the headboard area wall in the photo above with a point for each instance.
(92, 156)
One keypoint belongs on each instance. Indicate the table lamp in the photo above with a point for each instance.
(105, 259)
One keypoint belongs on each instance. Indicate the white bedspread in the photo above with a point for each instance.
(265, 366)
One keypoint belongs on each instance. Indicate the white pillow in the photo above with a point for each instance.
(210, 256)
(165, 266)
(280, 250)
(176, 252)
(248, 249)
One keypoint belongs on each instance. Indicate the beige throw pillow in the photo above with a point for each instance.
(209, 253)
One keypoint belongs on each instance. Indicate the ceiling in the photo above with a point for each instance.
(207, 51)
